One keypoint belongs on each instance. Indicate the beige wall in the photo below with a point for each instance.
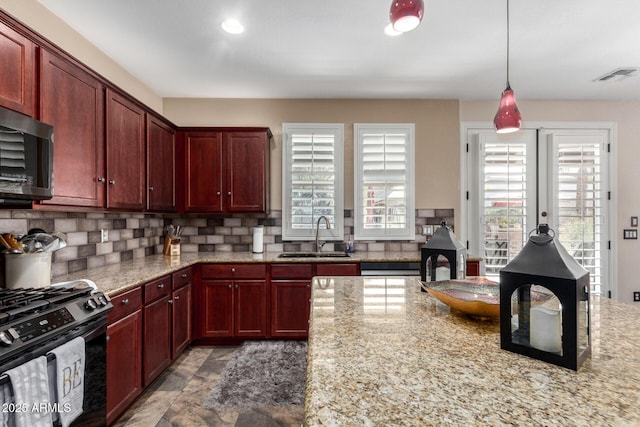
(626, 149)
(437, 134)
(41, 20)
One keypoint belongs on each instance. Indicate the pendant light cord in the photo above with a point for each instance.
(508, 85)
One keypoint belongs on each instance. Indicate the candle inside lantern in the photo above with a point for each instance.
(545, 329)
(443, 273)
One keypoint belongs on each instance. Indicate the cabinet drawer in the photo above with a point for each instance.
(351, 269)
(234, 271)
(181, 278)
(125, 304)
(291, 271)
(157, 289)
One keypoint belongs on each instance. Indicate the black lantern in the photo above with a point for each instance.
(443, 256)
(544, 303)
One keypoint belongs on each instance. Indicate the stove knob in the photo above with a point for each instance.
(90, 304)
(5, 339)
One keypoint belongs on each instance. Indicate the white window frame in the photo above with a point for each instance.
(409, 232)
(336, 232)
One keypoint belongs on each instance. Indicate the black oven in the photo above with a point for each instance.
(89, 311)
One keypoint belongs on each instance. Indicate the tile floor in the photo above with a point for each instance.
(175, 398)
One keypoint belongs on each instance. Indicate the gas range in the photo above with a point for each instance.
(31, 318)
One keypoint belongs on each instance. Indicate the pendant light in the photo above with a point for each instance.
(406, 15)
(508, 118)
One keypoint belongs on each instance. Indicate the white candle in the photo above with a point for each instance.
(443, 273)
(545, 329)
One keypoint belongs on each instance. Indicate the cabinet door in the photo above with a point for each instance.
(17, 71)
(245, 181)
(157, 339)
(250, 308)
(217, 310)
(290, 308)
(181, 320)
(203, 161)
(73, 102)
(125, 153)
(161, 166)
(124, 364)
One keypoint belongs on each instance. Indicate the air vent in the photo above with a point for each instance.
(617, 74)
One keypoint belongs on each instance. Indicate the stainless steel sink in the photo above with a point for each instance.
(313, 255)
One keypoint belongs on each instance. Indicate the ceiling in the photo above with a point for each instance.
(338, 49)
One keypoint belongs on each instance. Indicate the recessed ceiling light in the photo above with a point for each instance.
(232, 26)
(390, 31)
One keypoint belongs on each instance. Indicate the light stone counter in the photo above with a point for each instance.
(382, 353)
(115, 278)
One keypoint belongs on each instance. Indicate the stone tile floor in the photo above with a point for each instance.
(175, 397)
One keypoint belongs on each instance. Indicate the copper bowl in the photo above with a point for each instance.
(475, 296)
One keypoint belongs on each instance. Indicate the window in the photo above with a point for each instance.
(384, 180)
(312, 180)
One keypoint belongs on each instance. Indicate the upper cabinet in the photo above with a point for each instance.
(126, 160)
(73, 102)
(17, 71)
(161, 166)
(227, 170)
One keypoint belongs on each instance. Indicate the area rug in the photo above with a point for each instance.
(262, 373)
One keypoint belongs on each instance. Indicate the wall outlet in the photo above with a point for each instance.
(636, 296)
(427, 230)
(104, 235)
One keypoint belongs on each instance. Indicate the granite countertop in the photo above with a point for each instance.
(115, 278)
(383, 353)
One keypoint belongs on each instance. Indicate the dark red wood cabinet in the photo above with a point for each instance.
(126, 160)
(234, 301)
(226, 170)
(73, 102)
(181, 311)
(17, 71)
(290, 300)
(124, 352)
(157, 329)
(161, 165)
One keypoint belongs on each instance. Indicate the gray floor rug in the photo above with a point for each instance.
(262, 373)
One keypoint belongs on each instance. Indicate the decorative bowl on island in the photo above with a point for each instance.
(475, 296)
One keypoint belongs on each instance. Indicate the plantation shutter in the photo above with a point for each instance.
(385, 206)
(312, 184)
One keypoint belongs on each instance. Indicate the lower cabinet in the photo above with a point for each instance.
(157, 328)
(234, 301)
(148, 328)
(124, 352)
(291, 294)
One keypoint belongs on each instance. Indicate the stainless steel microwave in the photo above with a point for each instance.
(26, 158)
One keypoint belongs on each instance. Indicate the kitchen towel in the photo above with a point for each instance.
(30, 384)
(69, 379)
(258, 239)
(5, 400)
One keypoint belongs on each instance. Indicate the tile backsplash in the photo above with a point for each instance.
(136, 235)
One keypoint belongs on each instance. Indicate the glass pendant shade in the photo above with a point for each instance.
(406, 15)
(508, 118)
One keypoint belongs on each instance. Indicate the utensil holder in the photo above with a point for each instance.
(27, 270)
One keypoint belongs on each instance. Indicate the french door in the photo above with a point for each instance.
(553, 176)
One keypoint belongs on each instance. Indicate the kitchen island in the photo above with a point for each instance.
(382, 353)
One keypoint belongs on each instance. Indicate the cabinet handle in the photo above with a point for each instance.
(308, 286)
(161, 285)
(177, 297)
(150, 188)
(236, 286)
(229, 193)
(112, 181)
(170, 301)
(183, 275)
(108, 338)
(217, 193)
(125, 301)
(229, 286)
(101, 179)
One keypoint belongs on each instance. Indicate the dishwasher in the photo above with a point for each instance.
(393, 268)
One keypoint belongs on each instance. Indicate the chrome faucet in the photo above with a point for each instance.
(326, 221)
